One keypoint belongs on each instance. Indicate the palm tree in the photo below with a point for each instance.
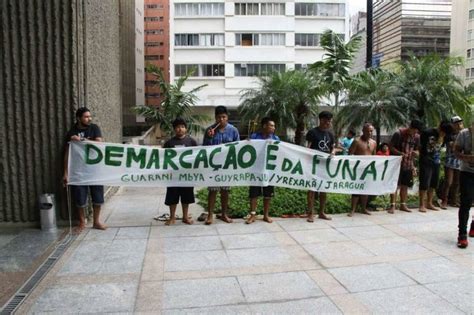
(333, 70)
(429, 81)
(374, 96)
(289, 98)
(174, 103)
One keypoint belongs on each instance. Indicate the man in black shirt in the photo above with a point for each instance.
(173, 194)
(84, 129)
(321, 139)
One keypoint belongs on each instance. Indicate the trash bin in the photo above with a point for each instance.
(48, 212)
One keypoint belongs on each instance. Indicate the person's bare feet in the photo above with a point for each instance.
(225, 218)
(170, 222)
(187, 220)
(209, 219)
(350, 214)
(422, 209)
(251, 219)
(403, 207)
(444, 205)
(99, 226)
(310, 218)
(365, 211)
(78, 229)
(432, 207)
(391, 210)
(323, 216)
(267, 219)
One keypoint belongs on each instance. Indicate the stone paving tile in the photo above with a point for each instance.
(196, 260)
(427, 227)
(149, 297)
(220, 310)
(239, 227)
(258, 257)
(405, 300)
(6, 237)
(345, 221)
(327, 282)
(182, 230)
(99, 235)
(201, 292)
(196, 243)
(87, 298)
(318, 236)
(445, 242)
(248, 240)
(370, 277)
(366, 232)
(459, 293)
(278, 286)
(432, 270)
(394, 246)
(336, 253)
(133, 233)
(321, 305)
(302, 225)
(29, 243)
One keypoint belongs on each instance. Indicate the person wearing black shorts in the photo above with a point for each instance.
(84, 130)
(267, 133)
(175, 194)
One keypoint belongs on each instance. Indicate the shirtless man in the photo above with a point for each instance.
(364, 145)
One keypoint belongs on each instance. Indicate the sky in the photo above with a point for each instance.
(356, 5)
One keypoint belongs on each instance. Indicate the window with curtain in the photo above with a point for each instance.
(199, 9)
(251, 69)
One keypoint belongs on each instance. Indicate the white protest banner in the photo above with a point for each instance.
(243, 163)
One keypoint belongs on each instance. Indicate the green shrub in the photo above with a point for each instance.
(290, 201)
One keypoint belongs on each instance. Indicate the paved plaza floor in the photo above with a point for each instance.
(379, 264)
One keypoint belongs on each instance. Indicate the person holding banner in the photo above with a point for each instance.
(321, 139)
(220, 132)
(173, 194)
(82, 130)
(464, 150)
(364, 145)
(267, 132)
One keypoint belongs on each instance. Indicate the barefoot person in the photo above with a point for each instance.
(173, 194)
(464, 150)
(82, 130)
(267, 132)
(430, 159)
(322, 139)
(220, 132)
(364, 145)
(406, 143)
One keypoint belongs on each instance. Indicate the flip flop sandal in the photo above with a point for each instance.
(163, 217)
(202, 217)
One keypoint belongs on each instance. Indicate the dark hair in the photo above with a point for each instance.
(325, 115)
(446, 127)
(80, 111)
(220, 110)
(179, 121)
(382, 144)
(265, 120)
(416, 124)
(352, 132)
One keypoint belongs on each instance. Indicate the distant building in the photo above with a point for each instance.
(133, 63)
(358, 23)
(462, 37)
(157, 45)
(402, 27)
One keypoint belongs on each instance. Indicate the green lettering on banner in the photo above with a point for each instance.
(215, 167)
(385, 165)
(181, 159)
(154, 159)
(286, 165)
(231, 158)
(328, 170)
(113, 152)
(89, 160)
(168, 159)
(315, 163)
(133, 156)
(369, 169)
(297, 169)
(201, 157)
(253, 156)
(347, 169)
(271, 157)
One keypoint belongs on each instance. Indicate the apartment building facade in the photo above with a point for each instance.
(229, 43)
(462, 37)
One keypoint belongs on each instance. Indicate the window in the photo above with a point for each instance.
(259, 9)
(251, 70)
(154, 32)
(264, 39)
(154, 6)
(307, 40)
(468, 53)
(153, 44)
(199, 9)
(203, 40)
(468, 73)
(152, 95)
(153, 18)
(471, 14)
(150, 83)
(205, 70)
(301, 66)
(154, 57)
(320, 9)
